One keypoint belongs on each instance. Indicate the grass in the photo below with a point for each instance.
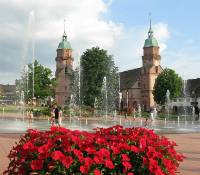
(16, 109)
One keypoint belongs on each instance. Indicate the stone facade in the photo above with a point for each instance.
(137, 84)
(64, 70)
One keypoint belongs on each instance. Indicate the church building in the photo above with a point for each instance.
(64, 67)
(136, 85)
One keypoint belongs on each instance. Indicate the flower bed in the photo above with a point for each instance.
(115, 150)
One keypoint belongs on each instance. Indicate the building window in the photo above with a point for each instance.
(156, 69)
(65, 87)
(66, 71)
(139, 84)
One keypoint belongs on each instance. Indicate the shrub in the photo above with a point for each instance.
(115, 150)
(43, 111)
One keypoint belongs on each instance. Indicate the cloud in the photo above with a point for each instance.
(85, 28)
(185, 62)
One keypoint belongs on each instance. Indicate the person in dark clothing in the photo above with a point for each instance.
(196, 112)
(56, 115)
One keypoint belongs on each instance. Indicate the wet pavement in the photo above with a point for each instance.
(185, 133)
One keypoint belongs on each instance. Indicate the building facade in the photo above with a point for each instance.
(136, 85)
(64, 68)
(8, 94)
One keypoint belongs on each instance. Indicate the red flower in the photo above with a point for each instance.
(28, 145)
(97, 172)
(104, 152)
(58, 155)
(98, 160)
(78, 154)
(43, 148)
(127, 165)
(108, 149)
(37, 164)
(67, 161)
(83, 169)
(109, 164)
(125, 157)
(142, 143)
(115, 149)
(134, 149)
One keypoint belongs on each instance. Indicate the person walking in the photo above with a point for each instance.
(56, 115)
(52, 118)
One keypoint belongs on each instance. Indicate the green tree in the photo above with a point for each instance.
(44, 83)
(167, 80)
(95, 65)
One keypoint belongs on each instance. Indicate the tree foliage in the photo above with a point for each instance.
(95, 65)
(167, 80)
(44, 82)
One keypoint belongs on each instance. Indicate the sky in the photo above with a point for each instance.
(119, 26)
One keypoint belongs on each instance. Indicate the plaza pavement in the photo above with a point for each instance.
(188, 144)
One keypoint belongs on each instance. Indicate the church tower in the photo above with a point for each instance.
(64, 70)
(150, 69)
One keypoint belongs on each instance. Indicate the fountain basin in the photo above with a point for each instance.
(16, 125)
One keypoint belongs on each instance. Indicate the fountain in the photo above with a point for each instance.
(165, 123)
(155, 112)
(105, 93)
(167, 105)
(193, 114)
(139, 111)
(127, 102)
(3, 110)
(115, 114)
(120, 121)
(71, 107)
(22, 103)
(141, 122)
(95, 107)
(178, 118)
(33, 57)
(120, 94)
(79, 86)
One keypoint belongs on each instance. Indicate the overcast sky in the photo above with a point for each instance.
(120, 26)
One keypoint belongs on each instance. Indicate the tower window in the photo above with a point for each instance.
(156, 69)
(66, 71)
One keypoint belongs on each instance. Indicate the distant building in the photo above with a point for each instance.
(64, 62)
(136, 85)
(193, 87)
(7, 94)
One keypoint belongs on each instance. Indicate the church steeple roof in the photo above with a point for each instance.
(151, 41)
(64, 44)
